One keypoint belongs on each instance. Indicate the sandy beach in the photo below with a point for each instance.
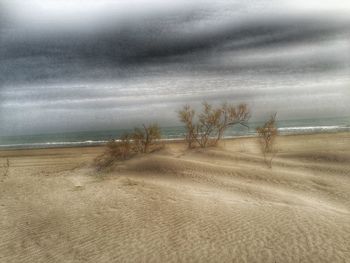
(218, 204)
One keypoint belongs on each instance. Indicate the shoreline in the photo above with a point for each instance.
(169, 133)
(233, 139)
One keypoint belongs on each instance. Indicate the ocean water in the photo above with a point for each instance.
(90, 138)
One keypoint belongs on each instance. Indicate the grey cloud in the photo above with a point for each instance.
(162, 38)
(138, 65)
(160, 41)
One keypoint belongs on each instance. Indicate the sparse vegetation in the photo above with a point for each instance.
(121, 148)
(210, 125)
(230, 116)
(6, 168)
(205, 129)
(144, 139)
(128, 145)
(117, 150)
(186, 116)
(267, 135)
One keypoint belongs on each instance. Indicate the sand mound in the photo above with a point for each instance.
(340, 157)
(214, 205)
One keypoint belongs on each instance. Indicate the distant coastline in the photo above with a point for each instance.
(283, 131)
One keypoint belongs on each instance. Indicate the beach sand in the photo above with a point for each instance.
(214, 205)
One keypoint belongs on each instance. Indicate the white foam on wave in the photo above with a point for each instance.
(174, 137)
(46, 144)
(313, 128)
(309, 128)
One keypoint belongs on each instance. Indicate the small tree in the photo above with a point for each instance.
(117, 150)
(145, 138)
(268, 134)
(186, 115)
(208, 121)
(121, 149)
(230, 116)
(211, 122)
(6, 168)
(129, 144)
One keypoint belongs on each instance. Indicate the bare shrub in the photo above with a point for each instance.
(121, 149)
(208, 121)
(144, 139)
(6, 168)
(117, 150)
(211, 123)
(267, 135)
(104, 161)
(129, 144)
(186, 116)
(230, 116)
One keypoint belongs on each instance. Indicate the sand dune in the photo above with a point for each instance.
(215, 205)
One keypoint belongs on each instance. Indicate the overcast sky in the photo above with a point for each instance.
(75, 65)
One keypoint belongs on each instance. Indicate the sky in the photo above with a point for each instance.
(80, 65)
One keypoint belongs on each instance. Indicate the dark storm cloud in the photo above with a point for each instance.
(157, 40)
(162, 37)
(256, 34)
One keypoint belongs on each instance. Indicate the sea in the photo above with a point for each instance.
(93, 138)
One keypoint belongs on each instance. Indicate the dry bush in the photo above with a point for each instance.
(267, 135)
(230, 116)
(6, 168)
(117, 150)
(122, 148)
(186, 116)
(144, 139)
(139, 141)
(208, 121)
(211, 122)
(103, 162)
